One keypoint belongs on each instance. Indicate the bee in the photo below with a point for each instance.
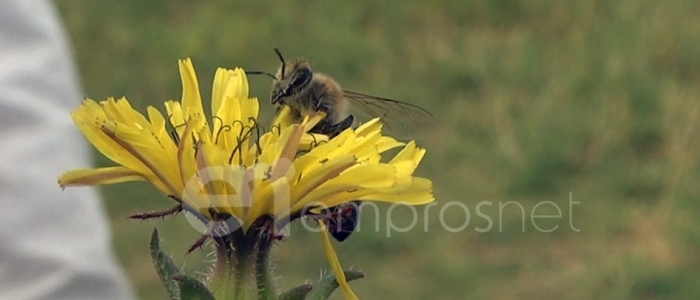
(307, 92)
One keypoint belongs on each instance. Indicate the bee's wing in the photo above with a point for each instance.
(393, 113)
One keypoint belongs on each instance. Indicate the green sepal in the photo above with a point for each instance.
(164, 266)
(297, 293)
(192, 289)
(324, 287)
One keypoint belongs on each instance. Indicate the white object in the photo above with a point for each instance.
(54, 244)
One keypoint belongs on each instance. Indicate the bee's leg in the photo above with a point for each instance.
(323, 127)
(331, 130)
(345, 124)
(335, 129)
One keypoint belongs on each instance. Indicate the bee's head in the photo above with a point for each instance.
(291, 77)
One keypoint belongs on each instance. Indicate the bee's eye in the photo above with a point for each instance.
(300, 78)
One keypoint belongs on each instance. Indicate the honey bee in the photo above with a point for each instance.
(307, 92)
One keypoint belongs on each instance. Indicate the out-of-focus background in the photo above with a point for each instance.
(591, 106)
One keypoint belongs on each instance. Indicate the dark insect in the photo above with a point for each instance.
(341, 220)
(307, 92)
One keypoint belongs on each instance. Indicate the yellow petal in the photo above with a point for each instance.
(211, 174)
(343, 197)
(378, 178)
(419, 192)
(217, 88)
(273, 144)
(191, 99)
(386, 143)
(373, 125)
(157, 122)
(98, 176)
(339, 145)
(287, 154)
(250, 108)
(410, 152)
(311, 140)
(335, 264)
(120, 110)
(310, 122)
(284, 117)
(191, 193)
(239, 84)
(186, 155)
(270, 198)
(227, 129)
(146, 147)
(176, 118)
(90, 118)
(309, 178)
(226, 107)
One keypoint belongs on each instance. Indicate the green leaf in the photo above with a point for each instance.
(297, 293)
(164, 266)
(324, 287)
(192, 289)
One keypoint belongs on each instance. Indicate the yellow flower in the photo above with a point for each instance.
(227, 166)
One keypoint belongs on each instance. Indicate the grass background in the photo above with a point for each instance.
(534, 101)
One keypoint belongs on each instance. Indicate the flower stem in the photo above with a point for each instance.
(241, 270)
(266, 290)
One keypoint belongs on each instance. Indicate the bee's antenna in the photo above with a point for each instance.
(260, 73)
(281, 59)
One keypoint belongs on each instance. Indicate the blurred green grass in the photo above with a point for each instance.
(533, 100)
